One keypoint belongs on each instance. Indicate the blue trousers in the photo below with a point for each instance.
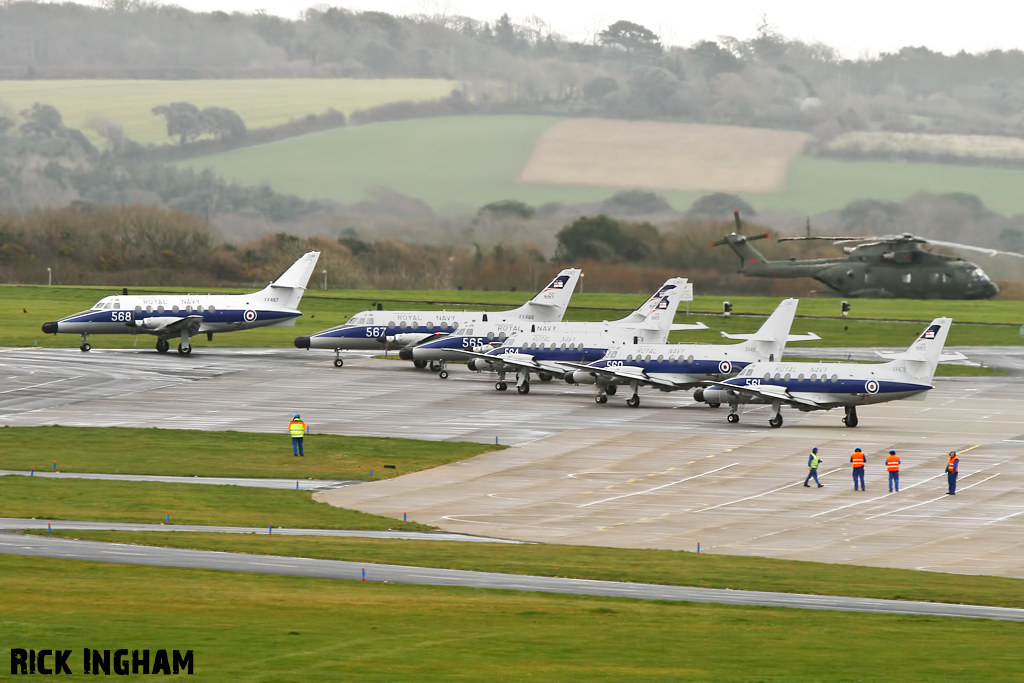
(813, 473)
(297, 445)
(894, 480)
(858, 475)
(951, 478)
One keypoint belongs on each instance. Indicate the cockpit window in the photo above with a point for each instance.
(978, 274)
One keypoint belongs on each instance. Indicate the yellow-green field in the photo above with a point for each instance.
(260, 102)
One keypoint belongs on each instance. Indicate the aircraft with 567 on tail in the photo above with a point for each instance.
(182, 316)
(382, 330)
(824, 386)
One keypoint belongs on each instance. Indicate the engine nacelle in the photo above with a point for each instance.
(479, 365)
(580, 377)
(712, 395)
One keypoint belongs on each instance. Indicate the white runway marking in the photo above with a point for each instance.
(740, 500)
(909, 507)
(637, 493)
(869, 500)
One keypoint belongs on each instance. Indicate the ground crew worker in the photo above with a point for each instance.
(812, 465)
(298, 429)
(952, 472)
(892, 463)
(858, 459)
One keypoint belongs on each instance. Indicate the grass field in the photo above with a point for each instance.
(25, 308)
(150, 502)
(470, 161)
(270, 628)
(260, 102)
(606, 564)
(187, 453)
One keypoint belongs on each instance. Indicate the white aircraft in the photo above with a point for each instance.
(377, 330)
(185, 315)
(824, 386)
(482, 336)
(671, 367)
(547, 353)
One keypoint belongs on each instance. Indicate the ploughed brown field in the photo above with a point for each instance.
(663, 156)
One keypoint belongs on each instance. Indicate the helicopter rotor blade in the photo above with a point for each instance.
(758, 237)
(980, 250)
(739, 223)
(822, 237)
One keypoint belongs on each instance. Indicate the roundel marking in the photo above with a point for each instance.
(249, 315)
(725, 367)
(871, 386)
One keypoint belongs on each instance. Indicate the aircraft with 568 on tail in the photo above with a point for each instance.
(182, 316)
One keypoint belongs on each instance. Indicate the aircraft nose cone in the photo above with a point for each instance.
(405, 354)
(50, 328)
(302, 342)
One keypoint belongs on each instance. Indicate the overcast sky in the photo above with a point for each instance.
(862, 27)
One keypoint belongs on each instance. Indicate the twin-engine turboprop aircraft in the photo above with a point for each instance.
(671, 367)
(823, 386)
(378, 330)
(482, 336)
(547, 353)
(182, 316)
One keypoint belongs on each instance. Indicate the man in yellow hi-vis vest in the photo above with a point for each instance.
(297, 429)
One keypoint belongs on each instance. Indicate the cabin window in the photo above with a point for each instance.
(391, 324)
(786, 377)
(159, 309)
(835, 378)
(563, 346)
(174, 309)
(661, 358)
(402, 325)
(648, 358)
(813, 377)
(502, 336)
(907, 277)
(767, 376)
(455, 326)
(138, 309)
(778, 376)
(800, 377)
(430, 327)
(211, 308)
(490, 336)
(188, 309)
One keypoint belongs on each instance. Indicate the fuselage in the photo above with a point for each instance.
(679, 363)
(148, 314)
(371, 330)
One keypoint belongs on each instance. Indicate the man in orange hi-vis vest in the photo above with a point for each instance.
(952, 472)
(892, 463)
(297, 429)
(857, 460)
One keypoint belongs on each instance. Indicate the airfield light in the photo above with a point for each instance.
(726, 309)
(49, 277)
(846, 308)
(325, 279)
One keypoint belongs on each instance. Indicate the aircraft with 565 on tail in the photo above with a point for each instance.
(182, 316)
(382, 330)
(823, 386)
(893, 266)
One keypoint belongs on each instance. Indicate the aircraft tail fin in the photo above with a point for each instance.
(550, 303)
(290, 287)
(640, 315)
(921, 358)
(658, 323)
(771, 338)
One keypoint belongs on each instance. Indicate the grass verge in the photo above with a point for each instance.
(261, 627)
(666, 567)
(187, 453)
(150, 502)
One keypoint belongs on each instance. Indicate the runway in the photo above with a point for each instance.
(669, 474)
(36, 546)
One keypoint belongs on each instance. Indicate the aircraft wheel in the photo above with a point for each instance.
(850, 421)
(338, 362)
(733, 418)
(501, 386)
(612, 389)
(600, 398)
(162, 346)
(523, 388)
(714, 405)
(419, 364)
(443, 374)
(184, 350)
(86, 346)
(544, 377)
(776, 421)
(633, 401)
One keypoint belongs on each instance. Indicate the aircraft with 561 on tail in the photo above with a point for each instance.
(182, 316)
(823, 386)
(382, 330)
(674, 367)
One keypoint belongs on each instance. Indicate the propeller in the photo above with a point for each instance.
(738, 236)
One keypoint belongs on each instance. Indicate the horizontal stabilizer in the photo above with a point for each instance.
(943, 358)
(810, 336)
(683, 327)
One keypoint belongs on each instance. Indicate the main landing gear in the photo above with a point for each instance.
(776, 418)
(85, 343)
(419, 364)
(523, 382)
(733, 418)
(162, 345)
(850, 419)
(184, 350)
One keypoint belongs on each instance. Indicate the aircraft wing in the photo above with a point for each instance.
(171, 325)
(518, 361)
(627, 373)
(772, 392)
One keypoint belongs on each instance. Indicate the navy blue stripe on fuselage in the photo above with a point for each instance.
(665, 366)
(379, 331)
(586, 355)
(219, 316)
(830, 386)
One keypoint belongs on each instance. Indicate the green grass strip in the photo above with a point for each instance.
(608, 564)
(150, 502)
(246, 627)
(187, 453)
